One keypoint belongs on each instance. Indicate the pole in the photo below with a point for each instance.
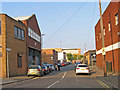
(103, 45)
(7, 66)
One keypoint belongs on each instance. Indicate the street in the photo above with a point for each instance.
(66, 78)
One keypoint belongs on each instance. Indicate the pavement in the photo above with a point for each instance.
(112, 79)
(5, 81)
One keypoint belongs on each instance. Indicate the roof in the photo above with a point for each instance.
(23, 17)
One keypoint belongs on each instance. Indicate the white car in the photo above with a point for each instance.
(82, 68)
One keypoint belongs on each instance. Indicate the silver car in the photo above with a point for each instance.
(35, 70)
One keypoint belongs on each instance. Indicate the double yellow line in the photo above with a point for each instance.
(103, 84)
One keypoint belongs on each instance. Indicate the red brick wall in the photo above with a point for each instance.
(32, 23)
(47, 54)
(113, 10)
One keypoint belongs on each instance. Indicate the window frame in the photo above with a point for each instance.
(22, 34)
(116, 19)
(16, 33)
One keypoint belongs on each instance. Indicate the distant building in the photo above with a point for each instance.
(90, 57)
(76, 51)
(12, 47)
(62, 57)
(49, 56)
(111, 25)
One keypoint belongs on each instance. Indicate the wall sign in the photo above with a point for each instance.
(33, 35)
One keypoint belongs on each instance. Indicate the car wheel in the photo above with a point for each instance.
(28, 75)
(76, 73)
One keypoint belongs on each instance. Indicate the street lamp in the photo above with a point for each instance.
(42, 44)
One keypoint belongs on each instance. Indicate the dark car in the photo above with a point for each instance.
(49, 67)
(53, 68)
(45, 70)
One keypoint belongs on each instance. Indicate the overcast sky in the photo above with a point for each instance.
(72, 23)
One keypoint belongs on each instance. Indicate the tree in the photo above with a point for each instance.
(75, 56)
(70, 56)
(80, 57)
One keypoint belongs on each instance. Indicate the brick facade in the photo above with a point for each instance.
(48, 55)
(33, 46)
(17, 47)
(112, 39)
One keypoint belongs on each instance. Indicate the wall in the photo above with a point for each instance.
(111, 56)
(16, 46)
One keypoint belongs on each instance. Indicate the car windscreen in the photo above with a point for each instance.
(33, 67)
(82, 65)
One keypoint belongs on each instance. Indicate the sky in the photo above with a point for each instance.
(72, 23)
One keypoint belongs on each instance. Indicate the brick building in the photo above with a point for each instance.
(111, 25)
(33, 37)
(49, 56)
(90, 57)
(12, 47)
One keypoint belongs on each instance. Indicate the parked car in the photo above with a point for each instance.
(53, 68)
(67, 63)
(49, 67)
(45, 70)
(63, 64)
(82, 68)
(35, 70)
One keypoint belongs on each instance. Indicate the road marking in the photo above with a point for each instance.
(63, 76)
(57, 81)
(53, 84)
(103, 84)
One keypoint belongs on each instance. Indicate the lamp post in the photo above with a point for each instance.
(42, 44)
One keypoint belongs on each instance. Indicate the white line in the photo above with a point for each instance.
(63, 76)
(57, 81)
(53, 84)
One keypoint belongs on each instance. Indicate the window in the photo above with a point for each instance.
(0, 27)
(29, 31)
(97, 38)
(19, 33)
(116, 19)
(23, 35)
(100, 35)
(15, 32)
(19, 59)
(109, 27)
(104, 30)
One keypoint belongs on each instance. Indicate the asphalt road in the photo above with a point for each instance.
(66, 78)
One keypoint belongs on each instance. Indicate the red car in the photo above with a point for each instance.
(63, 64)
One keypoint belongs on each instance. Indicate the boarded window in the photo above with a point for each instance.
(19, 59)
